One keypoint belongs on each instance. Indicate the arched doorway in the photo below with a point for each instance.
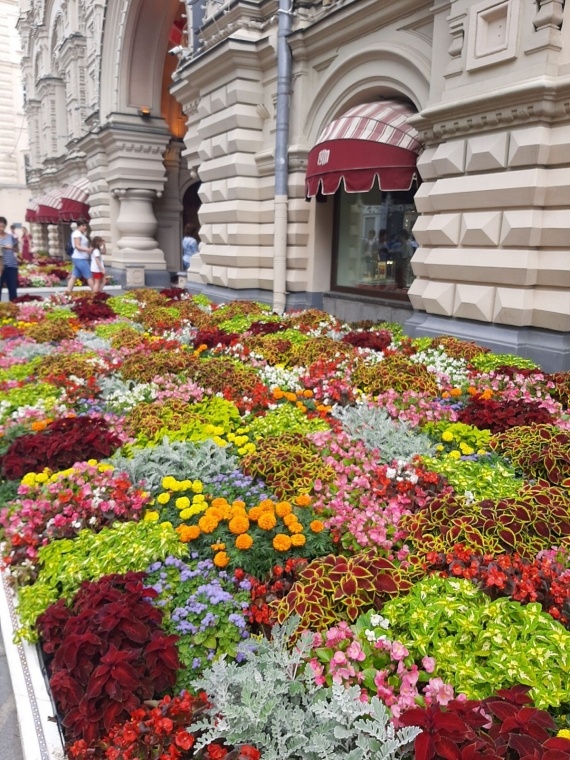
(191, 206)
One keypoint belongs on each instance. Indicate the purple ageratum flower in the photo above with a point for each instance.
(196, 663)
(154, 567)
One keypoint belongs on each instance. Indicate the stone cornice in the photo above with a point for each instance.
(336, 25)
(544, 99)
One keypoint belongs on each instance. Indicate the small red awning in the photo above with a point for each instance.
(48, 207)
(74, 201)
(369, 141)
(32, 211)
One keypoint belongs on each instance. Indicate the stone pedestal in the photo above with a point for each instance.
(136, 226)
(55, 242)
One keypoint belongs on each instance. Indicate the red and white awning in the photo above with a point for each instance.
(368, 142)
(48, 207)
(74, 201)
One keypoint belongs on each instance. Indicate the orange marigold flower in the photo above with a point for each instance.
(254, 513)
(455, 391)
(291, 396)
(317, 526)
(238, 504)
(283, 508)
(267, 521)
(207, 524)
(281, 542)
(298, 540)
(215, 512)
(188, 533)
(218, 547)
(278, 393)
(295, 527)
(301, 406)
(308, 393)
(266, 505)
(487, 393)
(290, 519)
(445, 394)
(471, 390)
(219, 501)
(244, 542)
(221, 559)
(303, 500)
(238, 524)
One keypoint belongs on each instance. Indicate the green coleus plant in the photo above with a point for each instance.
(482, 645)
(66, 563)
(336, 588)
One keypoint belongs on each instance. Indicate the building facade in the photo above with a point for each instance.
(166, 111)
(13, 129)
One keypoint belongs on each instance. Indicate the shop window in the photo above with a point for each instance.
(374, 242)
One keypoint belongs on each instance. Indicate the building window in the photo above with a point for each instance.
(373, 242)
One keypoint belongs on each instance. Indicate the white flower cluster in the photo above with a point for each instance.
(378, 622)
(126, 399)
(280, 377)
(447, 369)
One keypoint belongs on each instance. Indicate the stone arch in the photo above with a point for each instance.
(135, 40)
(384, 70)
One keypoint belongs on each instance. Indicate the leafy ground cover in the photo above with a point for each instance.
(237, 535)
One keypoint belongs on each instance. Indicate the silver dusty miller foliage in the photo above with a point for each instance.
(377, 430)
(181, 459)
(271, 700)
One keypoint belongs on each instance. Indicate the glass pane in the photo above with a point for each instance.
(375, 243)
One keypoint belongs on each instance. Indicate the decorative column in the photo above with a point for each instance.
(38, 242)
(169, 209)
(55, 244)
(137, 225)
(136, 177)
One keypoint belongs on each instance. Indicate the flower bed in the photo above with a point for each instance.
(237, 535)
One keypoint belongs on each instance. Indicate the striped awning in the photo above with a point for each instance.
(368, 142)
(48, 207)
(32, 211)
(74, 201)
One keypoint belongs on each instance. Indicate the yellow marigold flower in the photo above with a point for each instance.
(166, 524)
(238, 524)
(303, 500)
(266, 505)
(281, 542)
(267, 521)
(219, 501)
(481, 452)
(188, 533)
(163, 498)
(564, 733)
(198, 498)
(186, 484)
(466, 450)
(197, 486)
(168, 482)
(295, 527)
(439, 447)
(92, 462)
(207, 524)
(182, 502)
(244, 542)
(186, 514)
(290, 519)
(105, 468)
(219, 547)
(317, 526)
(447, 436)
(254, 513)
(455, 454)
(151, 516)
(29, 479)
(283, 508)
(221, 559)
(298, 540)
(41, 477)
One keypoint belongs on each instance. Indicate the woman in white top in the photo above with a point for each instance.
(97, 265)
(80, 257)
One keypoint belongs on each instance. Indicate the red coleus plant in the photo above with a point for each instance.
(213, 336)
(61, 444)
(505, 726)
(107, 654)
(542, 580)
(93, 307)
(498, 415)
(378, 340)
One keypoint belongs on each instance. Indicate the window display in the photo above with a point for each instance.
(374, 241)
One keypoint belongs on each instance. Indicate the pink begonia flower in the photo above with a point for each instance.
(438, 691)
(318, 672)
(428, 664)
(398, 651)
(343, 674)
(339, 658)
(354, 652)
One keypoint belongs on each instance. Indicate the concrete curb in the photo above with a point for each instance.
(39, 732)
